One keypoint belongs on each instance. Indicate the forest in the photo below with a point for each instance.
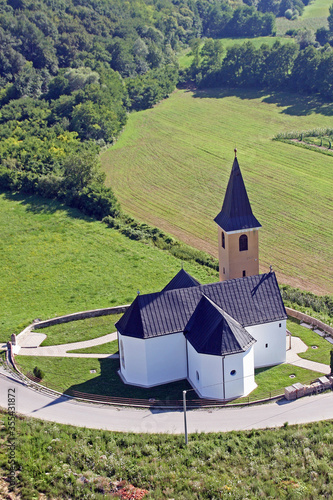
(71, 71)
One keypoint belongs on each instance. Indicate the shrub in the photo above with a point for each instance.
(38, 373)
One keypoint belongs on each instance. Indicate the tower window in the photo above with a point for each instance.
(224, 270)
(243, 243)
(266, 345)
(244, 274)
(223, 240)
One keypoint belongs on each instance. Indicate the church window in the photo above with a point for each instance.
(280, 325)
(266, 345)
(233, 372)
(224, 270)
(243, 243)
(223, 240)
(244, 274)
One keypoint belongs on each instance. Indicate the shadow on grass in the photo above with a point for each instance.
(108, 383)
(38, 205)
(295, 104)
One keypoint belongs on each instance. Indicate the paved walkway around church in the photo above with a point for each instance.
(30, 346)
(297, 346)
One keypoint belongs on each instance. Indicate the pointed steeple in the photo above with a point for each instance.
(236, 213)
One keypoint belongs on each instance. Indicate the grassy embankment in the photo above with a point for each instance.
(68, 462)
(78, 331)
(54, 262)
(171, 165)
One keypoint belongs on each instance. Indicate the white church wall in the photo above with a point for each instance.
(270, 348)
(205, 373)
(166, 358)
(248, 371)
(234, 375)
(133, 365)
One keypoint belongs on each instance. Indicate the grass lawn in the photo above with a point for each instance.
(310, 338)
(61, 461)
(185, 59)
(192, 135)
(63, 374)
(107, 348)
(54, 261)
(80, 330)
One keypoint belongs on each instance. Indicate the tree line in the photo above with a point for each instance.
(282, 66)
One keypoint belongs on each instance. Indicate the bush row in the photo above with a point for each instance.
(317, 132)
(136, 231)
(95, 200)
(323, 304)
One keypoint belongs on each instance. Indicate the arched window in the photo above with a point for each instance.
(243, 243)
(223, 240)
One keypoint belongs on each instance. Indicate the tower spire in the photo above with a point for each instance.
(237, 229)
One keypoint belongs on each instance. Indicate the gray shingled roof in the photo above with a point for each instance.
(236, 213)
(250, 300)
(181, 280)
(212, 331)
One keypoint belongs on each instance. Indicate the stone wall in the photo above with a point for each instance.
(309, 319)
(81, 315)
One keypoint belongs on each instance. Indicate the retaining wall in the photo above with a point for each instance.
(309, 319)
(81, 315)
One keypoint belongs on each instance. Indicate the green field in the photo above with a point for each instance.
(54, 262)
(171, 165)
(185, 58)
(314, 16)
(318, 8)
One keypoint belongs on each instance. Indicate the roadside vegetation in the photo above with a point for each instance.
(70, 462)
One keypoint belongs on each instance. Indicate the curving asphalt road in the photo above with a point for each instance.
(62, 410)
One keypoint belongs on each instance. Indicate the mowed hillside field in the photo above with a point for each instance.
(55, 261)
(171, 166)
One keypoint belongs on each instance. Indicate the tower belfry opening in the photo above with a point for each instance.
(238, 242)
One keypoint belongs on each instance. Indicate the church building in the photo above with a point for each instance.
(213, 335)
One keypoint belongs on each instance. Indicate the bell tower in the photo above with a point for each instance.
(238, 242)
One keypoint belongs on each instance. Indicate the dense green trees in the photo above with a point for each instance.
(282, 66)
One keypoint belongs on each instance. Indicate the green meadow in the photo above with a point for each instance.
(171, 165)
(314, 16)
(54, 261)
(185, 58)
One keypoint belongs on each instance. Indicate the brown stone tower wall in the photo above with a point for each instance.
(233, 262)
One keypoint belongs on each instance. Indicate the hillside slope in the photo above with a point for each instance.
(54, 262)
(171, 165)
